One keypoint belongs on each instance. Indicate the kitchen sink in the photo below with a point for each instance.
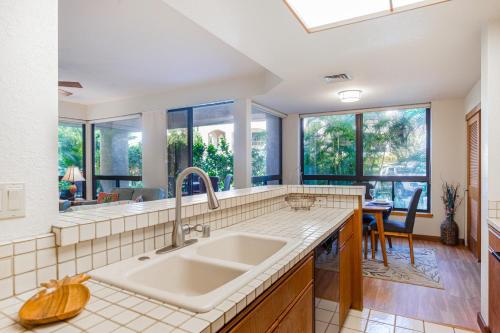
(242, 248)
(202, 275)
(185, 276)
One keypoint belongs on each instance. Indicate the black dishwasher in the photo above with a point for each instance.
(327, 270)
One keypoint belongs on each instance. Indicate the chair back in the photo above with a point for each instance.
(227, 182)
(215, 184)
(412, 211)
(368, 187)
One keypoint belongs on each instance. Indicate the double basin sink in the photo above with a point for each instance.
(199, 276)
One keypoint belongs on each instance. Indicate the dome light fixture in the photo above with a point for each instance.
(350, 96)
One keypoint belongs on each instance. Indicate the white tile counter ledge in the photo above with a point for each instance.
(79, 226)
(116, 310)
(494, 223)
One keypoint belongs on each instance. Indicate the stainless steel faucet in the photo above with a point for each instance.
(178, 232)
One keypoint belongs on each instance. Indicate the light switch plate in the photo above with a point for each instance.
(12, 200)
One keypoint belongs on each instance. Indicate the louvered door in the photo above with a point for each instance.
(474, 183)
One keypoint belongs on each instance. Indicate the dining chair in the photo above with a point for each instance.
(404, 229)
(368, 219)
(227, 182)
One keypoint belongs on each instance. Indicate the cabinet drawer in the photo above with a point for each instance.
(494, 293)
(346, 231)
(494, 240)
(300, 318)
(267, 312)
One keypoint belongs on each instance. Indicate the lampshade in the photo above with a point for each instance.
(349, 96)
(73, 174)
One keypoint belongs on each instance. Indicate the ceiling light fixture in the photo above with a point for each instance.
(317, 15)
(350, 96)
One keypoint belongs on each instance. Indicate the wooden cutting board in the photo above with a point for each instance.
(59, 300)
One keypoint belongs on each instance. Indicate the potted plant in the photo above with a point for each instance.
(451, 200)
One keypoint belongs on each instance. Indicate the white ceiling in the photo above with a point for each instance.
(124, 48)
(412, 57)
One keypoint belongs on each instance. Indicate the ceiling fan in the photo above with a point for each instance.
(68, 84)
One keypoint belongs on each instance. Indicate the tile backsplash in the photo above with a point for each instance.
(494, 209)
(82, 241)
(25, 263)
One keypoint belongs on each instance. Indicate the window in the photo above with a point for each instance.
(117, 154)
(330, 145)
(395, 143)
(71, 152)
(390, 149)
(266, 148)
(201, 136)
(316, 15)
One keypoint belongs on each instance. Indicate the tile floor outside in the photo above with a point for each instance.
(372, 321)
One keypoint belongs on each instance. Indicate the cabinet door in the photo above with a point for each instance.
(264, 316)
(300, 317)
(345, 281)
(494, 292)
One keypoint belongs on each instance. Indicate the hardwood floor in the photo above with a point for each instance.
(456, 305)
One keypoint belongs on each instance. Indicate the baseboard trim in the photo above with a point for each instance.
(434, 238)
(403, 213)
(482, 325)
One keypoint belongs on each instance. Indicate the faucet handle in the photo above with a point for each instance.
(204, 229)
(186, 229)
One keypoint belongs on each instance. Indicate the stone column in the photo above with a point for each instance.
(272, 146)
(154, 149)
(242, 143)
(114, 154)
(291, 149)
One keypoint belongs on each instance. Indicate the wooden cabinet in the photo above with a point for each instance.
(494, 281)
(346, 267)
(300, 317)
(288, 303)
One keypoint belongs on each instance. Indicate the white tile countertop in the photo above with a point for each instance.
(494, 223)
(116, 310)
(78, 226)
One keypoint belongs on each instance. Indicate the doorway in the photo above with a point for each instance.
(474, 182)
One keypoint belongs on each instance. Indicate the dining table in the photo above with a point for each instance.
(378, 210)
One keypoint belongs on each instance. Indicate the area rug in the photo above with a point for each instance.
(425, 272)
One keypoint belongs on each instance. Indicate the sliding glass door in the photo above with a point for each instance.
(117, 154)
(266, 148)
(201, 136)
(179, 147)
(71, 152)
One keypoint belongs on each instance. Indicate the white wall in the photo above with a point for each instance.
(448, 162)
(188, 96)
(154, 149)
(448, 158)
(473, 98)
(490, 141)
(72, 110)
(28, 111)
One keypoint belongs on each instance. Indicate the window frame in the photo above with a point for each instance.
(95, 177)
(84, 153)
(276, 177)
(359, 176)
(190, 137)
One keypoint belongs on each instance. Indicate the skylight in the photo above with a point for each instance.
(316, 15)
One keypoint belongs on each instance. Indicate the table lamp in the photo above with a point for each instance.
(73, 175)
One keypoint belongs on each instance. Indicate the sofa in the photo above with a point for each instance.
(148, 194)
(125, 195)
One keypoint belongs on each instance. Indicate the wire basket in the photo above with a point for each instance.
(300, 201)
